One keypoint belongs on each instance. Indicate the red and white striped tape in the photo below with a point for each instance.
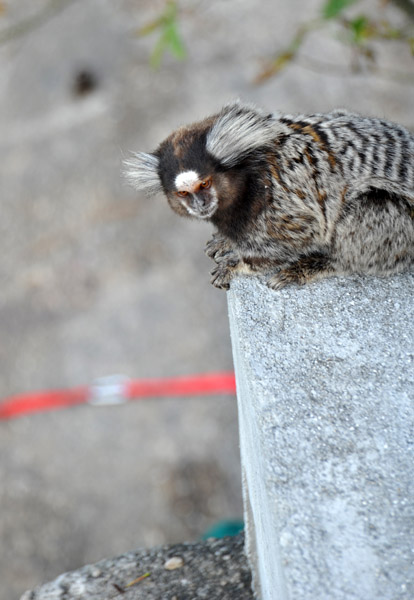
(118, 389)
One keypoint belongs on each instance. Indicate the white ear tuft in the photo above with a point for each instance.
(239, 130)
(142, 173)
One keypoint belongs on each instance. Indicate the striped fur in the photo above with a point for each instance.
(298, 197)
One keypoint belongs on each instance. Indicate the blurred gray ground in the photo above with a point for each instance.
(96, 280)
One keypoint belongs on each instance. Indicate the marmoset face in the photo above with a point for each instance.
(194, 195)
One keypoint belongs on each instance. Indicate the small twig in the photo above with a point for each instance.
(137, 580)
(286, 56)
(31, 23)
(327, 68)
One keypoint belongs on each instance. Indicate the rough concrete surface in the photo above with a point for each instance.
(96, 280)
(325, 389)
(213, 570)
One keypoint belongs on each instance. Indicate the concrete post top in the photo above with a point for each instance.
(325, 386)
(366, 321)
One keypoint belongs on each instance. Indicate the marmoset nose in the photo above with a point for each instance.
(201, 200)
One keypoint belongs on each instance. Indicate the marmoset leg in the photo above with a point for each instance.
(306, 269)
(219, 247)
(225, 271)
(228, 262)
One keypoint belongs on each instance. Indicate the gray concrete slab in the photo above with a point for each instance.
(325, 392)
(214, 570)
(95, 280)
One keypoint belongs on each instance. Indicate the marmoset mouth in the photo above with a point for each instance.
(207, 212)
(204, 212)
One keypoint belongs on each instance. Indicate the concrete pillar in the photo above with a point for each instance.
(325, 380)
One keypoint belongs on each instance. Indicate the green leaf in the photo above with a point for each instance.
(169, 39)
(360, 28)
(333, 8)
(175, 42)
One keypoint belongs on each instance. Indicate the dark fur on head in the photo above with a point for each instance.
(299, 197)
(223, 148)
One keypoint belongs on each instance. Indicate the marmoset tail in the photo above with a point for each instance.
(297, 198)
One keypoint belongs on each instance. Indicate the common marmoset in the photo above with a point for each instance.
(295, 197)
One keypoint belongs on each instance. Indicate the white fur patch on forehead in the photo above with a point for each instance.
(187, 181)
